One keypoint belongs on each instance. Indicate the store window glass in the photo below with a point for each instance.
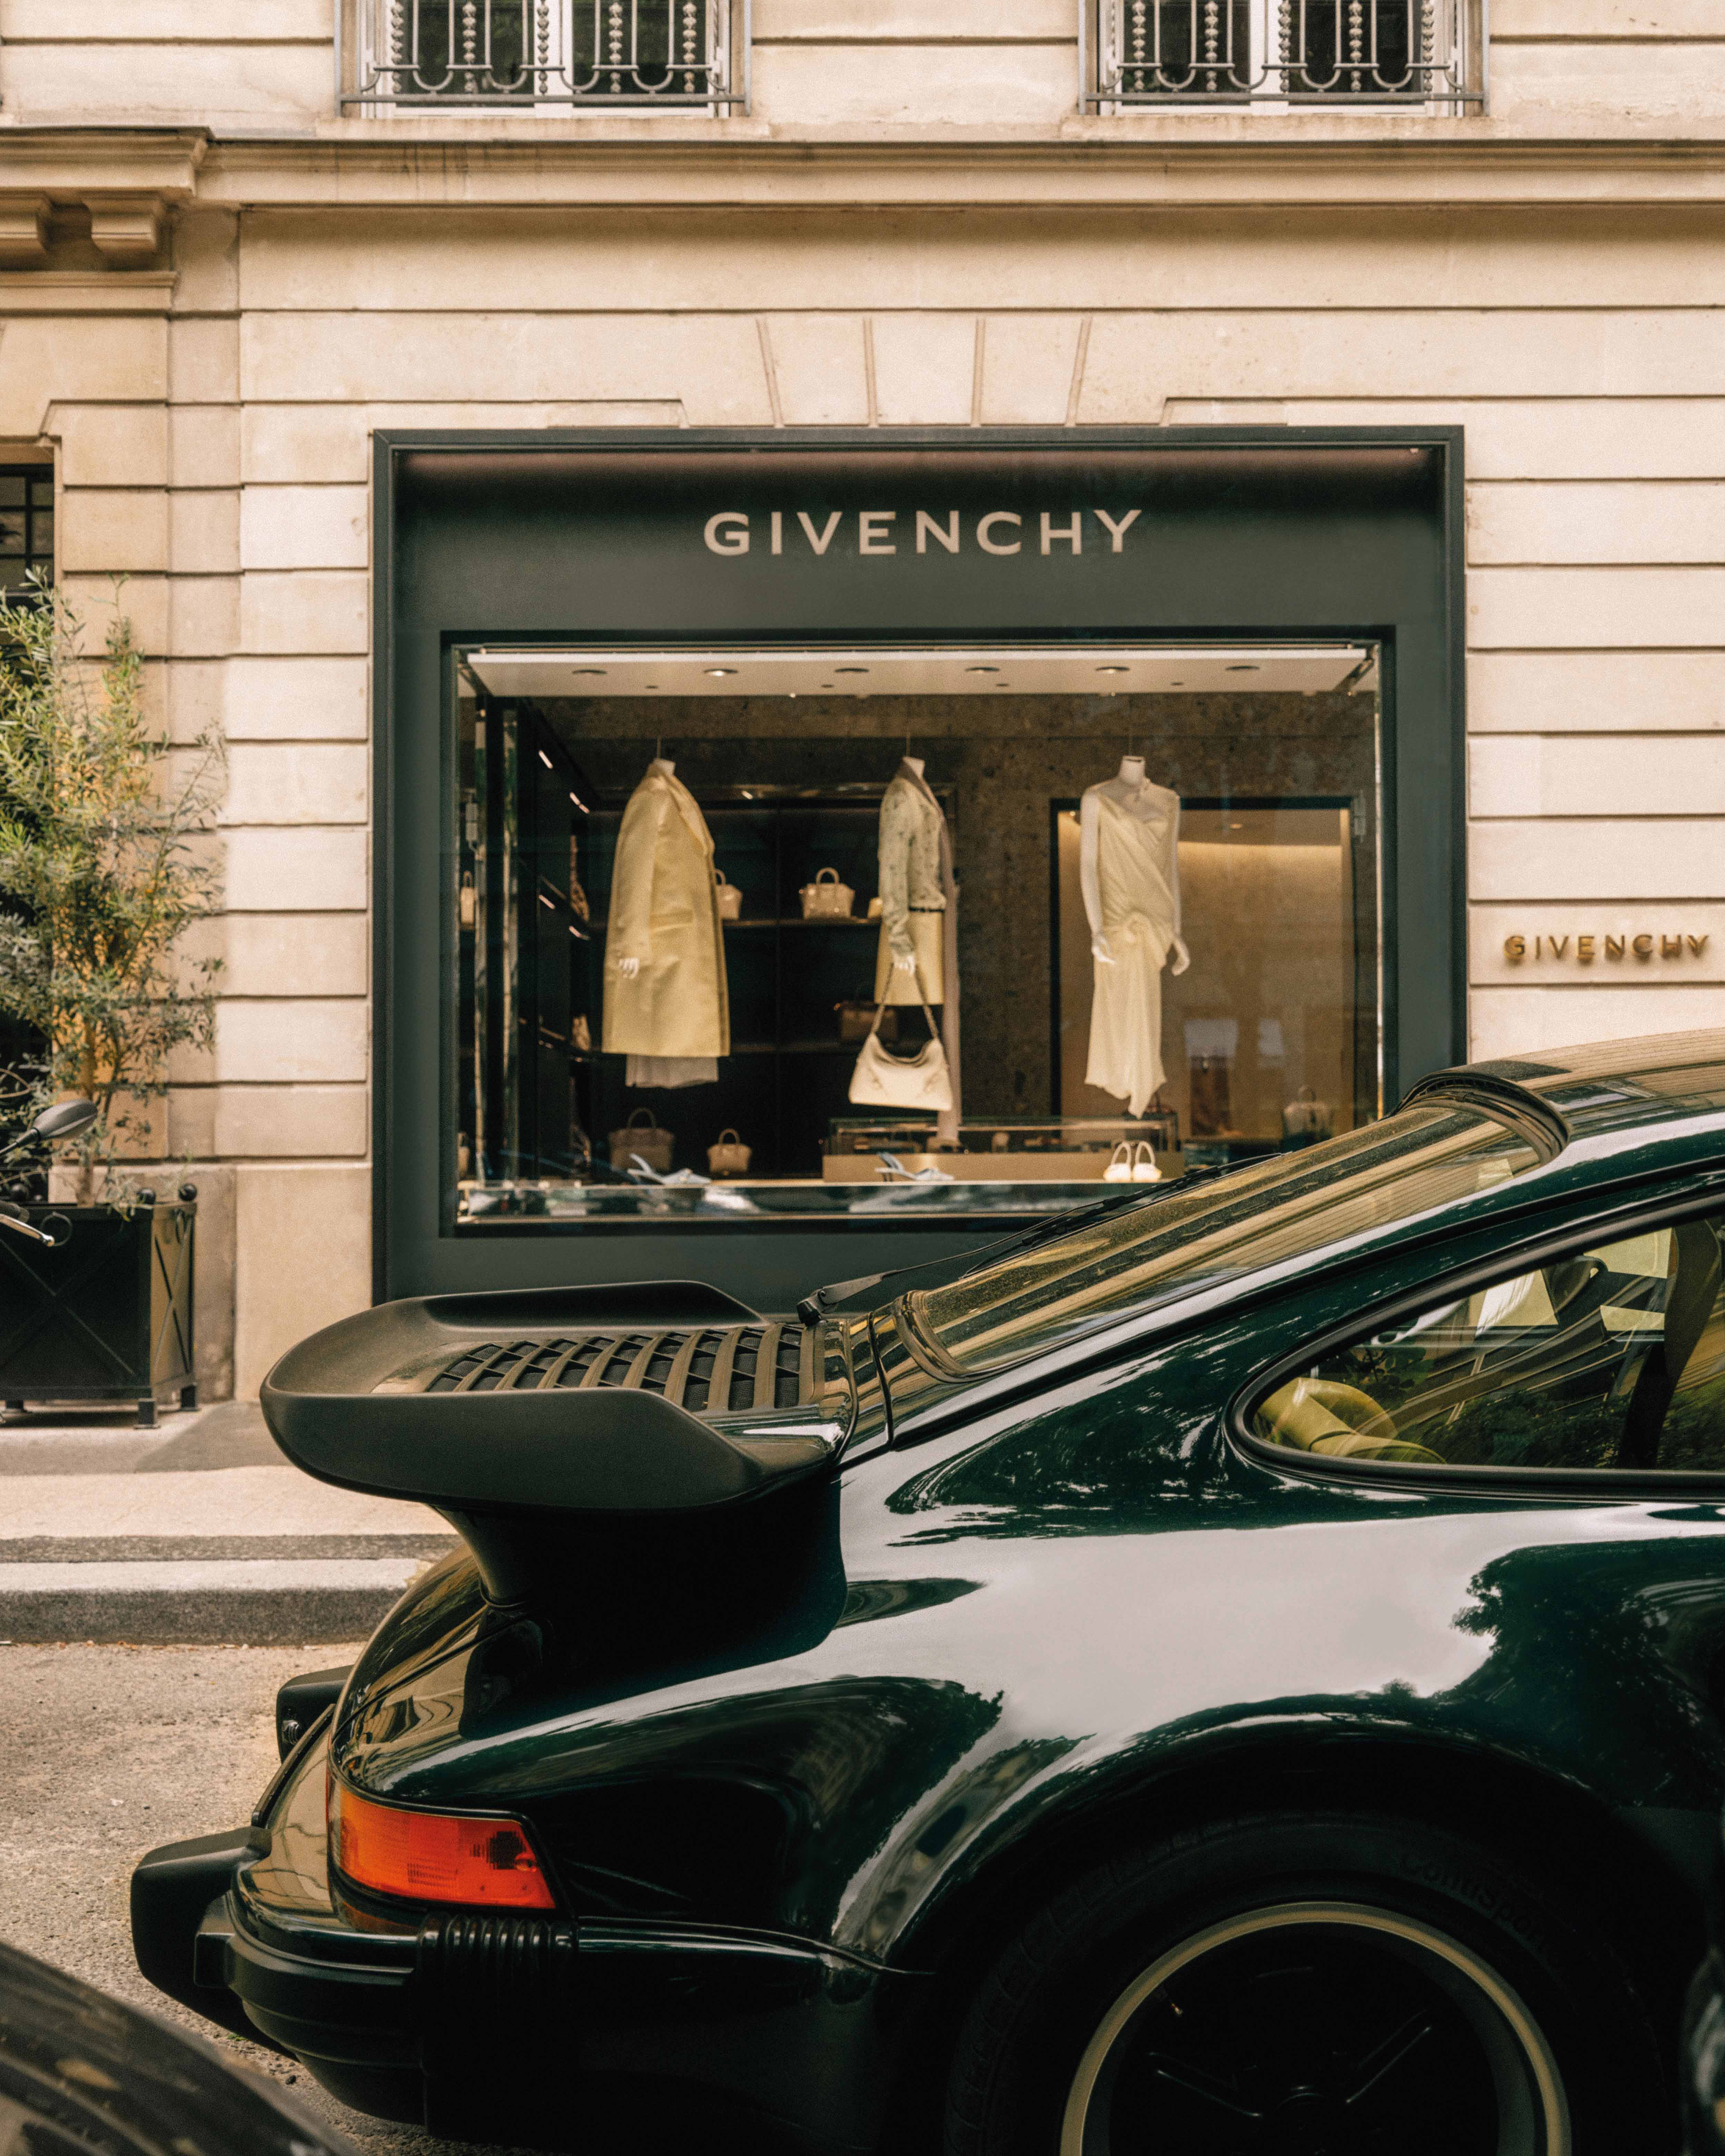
(739, 933)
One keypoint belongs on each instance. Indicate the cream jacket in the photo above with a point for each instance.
(664, 912)
(911, 823)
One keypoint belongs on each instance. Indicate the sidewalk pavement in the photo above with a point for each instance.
(199, 1532)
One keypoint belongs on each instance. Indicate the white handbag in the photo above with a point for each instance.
(882, 1080)
(1120, 1163)
(729, 898)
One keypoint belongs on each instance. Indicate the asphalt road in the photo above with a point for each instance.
(110, 1750)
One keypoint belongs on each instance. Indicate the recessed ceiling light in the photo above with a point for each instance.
(718, 672)
(1245, 669)
(1114, 669)
(850, 669)
(981, 670)
(579, 670)
(826, 685)
(547, 761)
(1176, 685)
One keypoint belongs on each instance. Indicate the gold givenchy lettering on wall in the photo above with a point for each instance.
(1583, 950)
(892, 532)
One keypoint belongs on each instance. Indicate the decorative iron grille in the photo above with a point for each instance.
(1354, 53)
(530, 54)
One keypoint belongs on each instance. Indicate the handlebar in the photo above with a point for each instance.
(11, 1216)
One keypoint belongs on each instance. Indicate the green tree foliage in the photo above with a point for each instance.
(105, 859)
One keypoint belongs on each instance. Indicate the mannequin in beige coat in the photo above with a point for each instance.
(665, 991)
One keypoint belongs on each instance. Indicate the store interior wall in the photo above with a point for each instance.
(1271, 923)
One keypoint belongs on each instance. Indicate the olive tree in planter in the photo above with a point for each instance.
(105, 861)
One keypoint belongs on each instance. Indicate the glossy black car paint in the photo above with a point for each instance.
(1034, 1616)
(80, 2074)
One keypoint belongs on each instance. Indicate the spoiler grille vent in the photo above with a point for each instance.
(721, 1367)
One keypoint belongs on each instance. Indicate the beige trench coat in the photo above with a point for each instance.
(665, 911)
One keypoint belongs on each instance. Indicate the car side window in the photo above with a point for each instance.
(1612, 1356)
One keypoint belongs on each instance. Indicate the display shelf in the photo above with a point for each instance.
(850, 1048)
(801, 920)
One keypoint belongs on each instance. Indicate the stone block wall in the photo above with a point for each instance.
(222, 293)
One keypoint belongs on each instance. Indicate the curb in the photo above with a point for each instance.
(269, 1602)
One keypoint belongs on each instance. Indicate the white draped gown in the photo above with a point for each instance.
(1135, 870)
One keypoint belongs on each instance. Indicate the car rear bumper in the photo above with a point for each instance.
(518, 2030)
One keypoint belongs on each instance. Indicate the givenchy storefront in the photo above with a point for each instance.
(805, 854)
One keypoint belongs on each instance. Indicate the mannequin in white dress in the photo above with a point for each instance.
(1129, 873)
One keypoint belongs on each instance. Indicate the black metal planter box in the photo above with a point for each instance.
(106, 1315)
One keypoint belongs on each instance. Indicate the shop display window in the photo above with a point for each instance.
(750, 933)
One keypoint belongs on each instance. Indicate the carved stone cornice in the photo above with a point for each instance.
(689, 166)
(127, 229)
(24, 231)
(1448, 163)
(73, 164)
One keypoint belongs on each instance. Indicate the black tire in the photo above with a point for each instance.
(1329, 1982)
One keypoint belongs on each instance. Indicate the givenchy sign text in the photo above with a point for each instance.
(921, 531)
(1518, 949)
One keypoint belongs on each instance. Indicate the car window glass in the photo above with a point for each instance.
(1286, 1208)
(1611, 1357)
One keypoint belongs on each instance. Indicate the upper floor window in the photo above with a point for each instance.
(1349, 54)
(26, 523)
(532, 55)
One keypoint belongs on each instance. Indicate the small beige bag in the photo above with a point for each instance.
(729, 898)
(730, 1155)
(649, 1140)
(827, 901)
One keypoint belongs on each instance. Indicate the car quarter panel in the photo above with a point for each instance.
(1059, 1612)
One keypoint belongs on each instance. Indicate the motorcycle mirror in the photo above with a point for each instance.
(65, 1119)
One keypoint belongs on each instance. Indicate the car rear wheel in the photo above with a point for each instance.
(1320, 1987)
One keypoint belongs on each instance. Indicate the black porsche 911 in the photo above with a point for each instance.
(1239, 1671)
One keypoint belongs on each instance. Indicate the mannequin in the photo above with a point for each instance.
(1129, 872)
(667, 1002)
(917, 960)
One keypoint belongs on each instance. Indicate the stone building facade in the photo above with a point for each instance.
(222, 275)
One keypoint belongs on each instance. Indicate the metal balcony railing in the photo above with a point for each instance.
(549, 55)
(1278, 54)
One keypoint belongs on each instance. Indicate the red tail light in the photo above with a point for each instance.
(459, 1857)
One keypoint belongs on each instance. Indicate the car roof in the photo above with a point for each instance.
(1607, 1085)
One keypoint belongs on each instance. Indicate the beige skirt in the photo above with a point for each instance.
(926, 929)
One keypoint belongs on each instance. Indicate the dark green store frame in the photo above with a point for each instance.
(560, 538)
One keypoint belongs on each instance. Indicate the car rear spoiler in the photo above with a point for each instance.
(520, 1474)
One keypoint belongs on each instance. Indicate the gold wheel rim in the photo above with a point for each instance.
(1551, 2108)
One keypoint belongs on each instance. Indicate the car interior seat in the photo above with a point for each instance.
(1689, 1297)
(1323, 1415)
